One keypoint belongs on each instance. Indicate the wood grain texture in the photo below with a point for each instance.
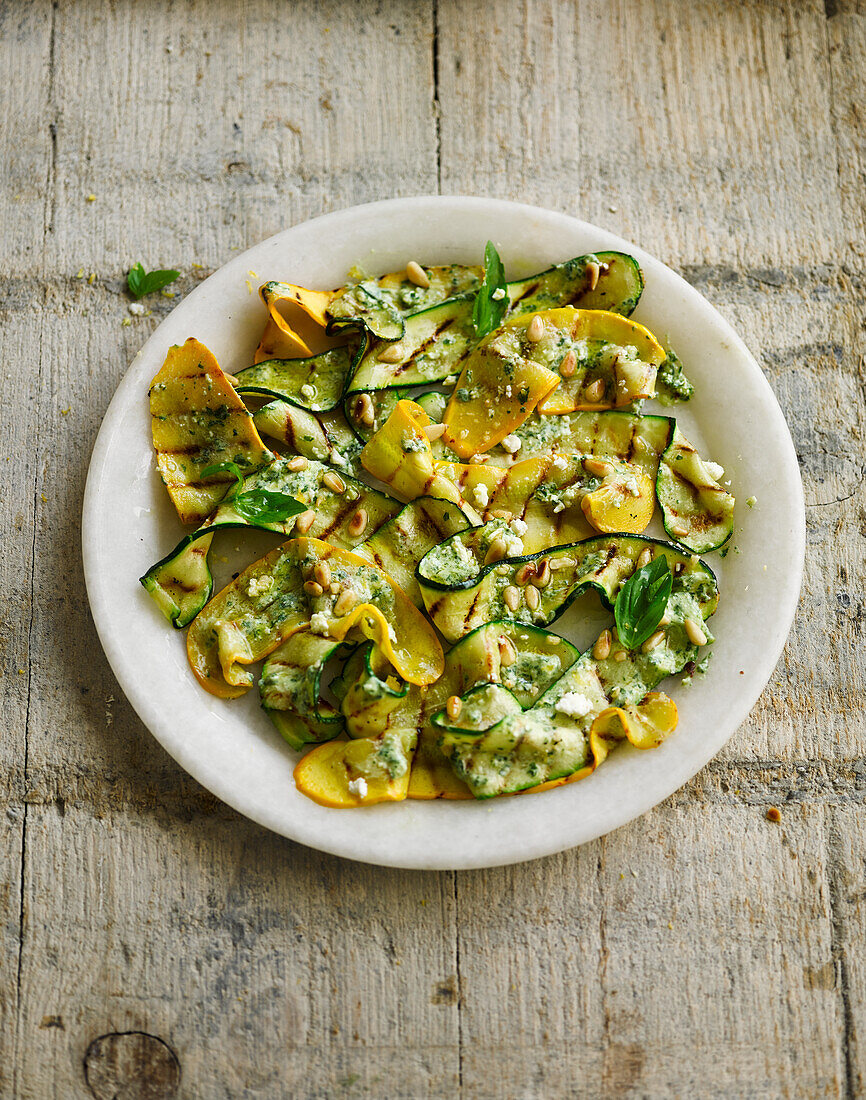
(701, 950)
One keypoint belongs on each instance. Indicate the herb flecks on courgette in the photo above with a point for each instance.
(198, 421)
(314, 383)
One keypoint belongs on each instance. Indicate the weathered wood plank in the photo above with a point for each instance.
(692, 129)
(267, 968)
(687, 953)
(25, 173)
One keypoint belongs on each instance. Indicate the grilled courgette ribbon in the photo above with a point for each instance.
(280, 595)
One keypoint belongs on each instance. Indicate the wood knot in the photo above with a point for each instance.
(131, 1065)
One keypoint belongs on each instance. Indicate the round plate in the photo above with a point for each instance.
(231, 747)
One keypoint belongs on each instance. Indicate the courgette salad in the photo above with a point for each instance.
(453, 459)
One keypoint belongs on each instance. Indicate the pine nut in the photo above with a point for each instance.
(535, 329)
(334, 482)
(345, 602)
(416, 274)
(533, 599)
(495, 552)
(665, 620)
(297, 463)
(561, 563)
(501, 513)
(524, 573)
(653, 640)
(694, 632)
(644, 558)
(453, 707)
(598, 467)
(335, 588)
(511, 597)
(305, 521)
(313, 588)
(677, 531)
(364, 411)
(620, 655)
(358, 523)
(322, 573)
(601, 649)
(542, 574)
(553, 639)
(595, 390)
(434, 431)
(393, 353)
(591, 270)
(507, 653)
(568, 365)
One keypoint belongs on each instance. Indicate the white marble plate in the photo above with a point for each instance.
(231, 748)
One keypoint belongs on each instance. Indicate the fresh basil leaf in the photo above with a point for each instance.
(261, 506)
(490, 305)
(641, 602)
(140, 282)
(227, 468)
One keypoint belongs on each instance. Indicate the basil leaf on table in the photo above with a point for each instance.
(140, 282)
(641, 602)
(490, 305)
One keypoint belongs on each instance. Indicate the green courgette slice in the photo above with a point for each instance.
(401, 543)
(460, 591)
(315, 383)
(380, 305)
(696, 511)
(291, 690)
(325, 437)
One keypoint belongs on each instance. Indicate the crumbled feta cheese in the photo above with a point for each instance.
(358, 787)
(559, 463)
(307, 390)
(511, 444)
(479, 458)
(714, 470)
(574, 705)
(136, 309)
(258, 585)
(519, 527)
(559, 506)
(337, 458)
(629, 483)
(498, 294)
(319, 624)
(481, 495)
(513, 546)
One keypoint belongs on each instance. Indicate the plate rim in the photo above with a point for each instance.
(640, 805)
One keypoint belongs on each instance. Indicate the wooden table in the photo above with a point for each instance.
(701, 951)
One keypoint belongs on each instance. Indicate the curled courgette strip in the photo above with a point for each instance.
(291, 689)
(464, 583)
(280, 595)
(497, 747)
